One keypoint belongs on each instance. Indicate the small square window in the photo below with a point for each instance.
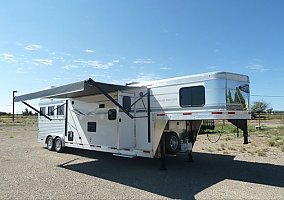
(126, 102)
(60, 110)
(42, 111)
(50, 110)
(111, 114)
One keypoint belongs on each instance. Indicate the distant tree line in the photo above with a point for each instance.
(26, 112)
(260, 107)
(4, 113)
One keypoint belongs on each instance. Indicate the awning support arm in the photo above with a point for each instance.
(36, 110)
(141, 98)
(94, 84)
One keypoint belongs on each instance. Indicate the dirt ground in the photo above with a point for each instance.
(227, 169)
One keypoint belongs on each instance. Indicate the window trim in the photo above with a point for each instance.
(191, 88)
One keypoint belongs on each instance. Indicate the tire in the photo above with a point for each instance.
(172, 143)
(50, 143)
(58, 145)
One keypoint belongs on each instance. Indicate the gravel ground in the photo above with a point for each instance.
(29, 171)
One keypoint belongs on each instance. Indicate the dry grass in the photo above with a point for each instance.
(19, 120)
(268, 139)
(268, 142)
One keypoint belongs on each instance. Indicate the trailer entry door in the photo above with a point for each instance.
(126, 130)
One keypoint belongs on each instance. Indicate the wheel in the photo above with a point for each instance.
(58, 145)
(172, 143)
(50, 143)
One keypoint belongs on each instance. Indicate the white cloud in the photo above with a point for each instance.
(33, 47)
(143, 78)
(115, 61)
(101, 77)
(96, 64)
(257, 67)
(89, 51)
(7, 57)
(256, 60)
(142, 61)
(213, 67)
(165, 68)
(147, 77)
(57, 58)
(20, 70)
(69, 67)
(42, 61)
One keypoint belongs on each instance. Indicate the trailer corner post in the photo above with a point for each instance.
(14, 104)
(163, 153)
(149, 115)
(66, 118)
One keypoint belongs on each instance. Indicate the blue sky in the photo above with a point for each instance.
(50, 43)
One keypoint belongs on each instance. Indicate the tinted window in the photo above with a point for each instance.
(92, 126)
(60, 110)
(111, 114)
(50, 110)
(126, 102)
(42, 110)
(192, 96)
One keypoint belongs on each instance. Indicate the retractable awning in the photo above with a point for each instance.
(78, 89)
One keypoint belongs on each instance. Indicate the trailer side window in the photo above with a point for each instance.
(92, 126)
(126, 102)
(111, 114)
(192, 96)
(42, 110)
(60, 110)
(50, 110)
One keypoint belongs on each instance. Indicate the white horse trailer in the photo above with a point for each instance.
(148, 119)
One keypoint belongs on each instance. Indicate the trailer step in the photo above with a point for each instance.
(124, 155)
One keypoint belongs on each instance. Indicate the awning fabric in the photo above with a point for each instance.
(78, 89)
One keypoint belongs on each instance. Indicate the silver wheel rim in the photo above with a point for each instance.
(49, 143)
(174, 143)
(58, 145)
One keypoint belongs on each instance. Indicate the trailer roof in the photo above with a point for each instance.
(194, 78)
(78, 89)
